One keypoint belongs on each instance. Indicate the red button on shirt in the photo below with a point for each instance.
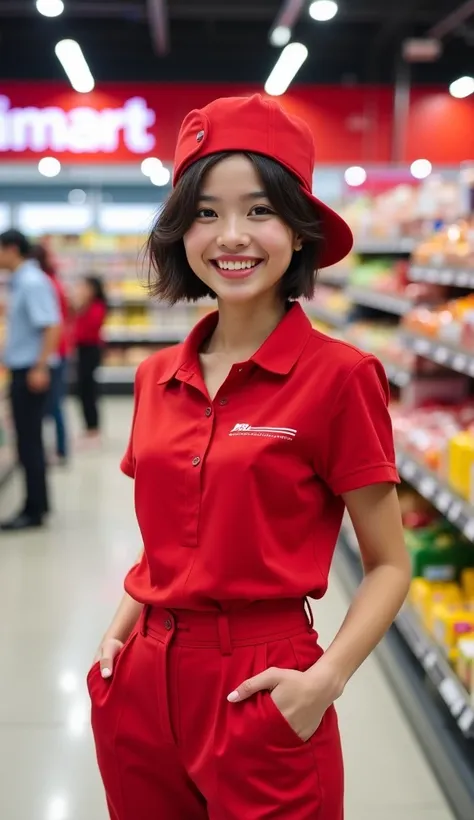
(260, 517)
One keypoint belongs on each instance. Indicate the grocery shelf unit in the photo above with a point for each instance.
(428, 691)
(439, 708)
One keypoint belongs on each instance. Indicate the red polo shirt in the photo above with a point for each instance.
(239, 498)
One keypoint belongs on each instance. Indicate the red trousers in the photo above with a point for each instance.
(171, 747)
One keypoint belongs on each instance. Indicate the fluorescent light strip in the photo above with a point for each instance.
(69, 54)
(288, 64)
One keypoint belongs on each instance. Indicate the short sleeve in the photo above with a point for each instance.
(42, 303)
(360, 449)
(127, 465)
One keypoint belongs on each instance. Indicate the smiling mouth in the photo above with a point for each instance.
(236, 265)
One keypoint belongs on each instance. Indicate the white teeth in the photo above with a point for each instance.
(236, 265)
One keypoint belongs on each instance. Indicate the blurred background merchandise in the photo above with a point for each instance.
(91, 98)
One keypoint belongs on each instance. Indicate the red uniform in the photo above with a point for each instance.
(88, 325)
(239, 505)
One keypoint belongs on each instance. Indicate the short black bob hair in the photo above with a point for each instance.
(171, 279)
(15, 239)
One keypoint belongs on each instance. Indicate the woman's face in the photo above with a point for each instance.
(237, 244)
(84, 292)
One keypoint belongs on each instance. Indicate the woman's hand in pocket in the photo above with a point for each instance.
(109, 649)
(301, 701)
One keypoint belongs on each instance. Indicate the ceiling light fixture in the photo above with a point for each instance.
(50, 8)
(323, 10)
(280, 36)
(69, 54)
(161, 177)
(49, 167)
(355, 176)
(421, 168)
(151, 166)
(461, 88)
(287, 66)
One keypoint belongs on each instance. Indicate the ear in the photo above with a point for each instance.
(298, 243)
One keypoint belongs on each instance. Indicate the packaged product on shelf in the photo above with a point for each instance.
(467, 584)
(438, 552)
(465, 665)
(424, 595)
(450, 246)
(450, 624)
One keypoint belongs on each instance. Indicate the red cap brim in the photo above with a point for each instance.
(337, 239)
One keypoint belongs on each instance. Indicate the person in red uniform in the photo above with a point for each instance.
(211, 697)
(91, 310)
(55, 405)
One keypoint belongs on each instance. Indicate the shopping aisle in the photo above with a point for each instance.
(58, 589)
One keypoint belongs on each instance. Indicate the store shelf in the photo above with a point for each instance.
(397, 375)
(451, 357)
(116, 375)
(432, 698)
(327, 316)
(386, 302)
(438, 670)
(438, 492)
(384, 248)
(337, 280)
(145, 335)
(455, 277)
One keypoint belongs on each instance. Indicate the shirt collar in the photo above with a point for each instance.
(25, 266)
(278, 354)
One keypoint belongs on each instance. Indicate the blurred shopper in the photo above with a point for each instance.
(32, 336)
(91, 310)
(59, 373)
(211, 697)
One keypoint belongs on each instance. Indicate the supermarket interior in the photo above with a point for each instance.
(87, 137)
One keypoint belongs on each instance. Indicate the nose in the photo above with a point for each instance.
(233, 235)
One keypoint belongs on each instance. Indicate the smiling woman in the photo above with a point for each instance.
(199, 199)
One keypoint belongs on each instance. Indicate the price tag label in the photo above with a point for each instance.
(460, 362)
(463, 278)
(444, 501)
(427, 486)
(422, 346)
(455, 512)
(430, 660)
(452, 696)
(470, 367)
(469, 529)
(466, 722)
(415, 273)
(441, 355)
(408, 470)
(446, 277)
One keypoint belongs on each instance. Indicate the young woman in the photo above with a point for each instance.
(210, 696)
(55, 405)
(91, 310)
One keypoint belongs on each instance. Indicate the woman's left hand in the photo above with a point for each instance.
(301, 698)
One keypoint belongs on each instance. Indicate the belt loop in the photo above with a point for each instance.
(144, 619)
(224, 633)
(309, 612)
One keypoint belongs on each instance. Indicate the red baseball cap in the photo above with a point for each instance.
(259, 125)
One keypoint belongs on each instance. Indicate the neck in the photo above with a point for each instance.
(242, 329)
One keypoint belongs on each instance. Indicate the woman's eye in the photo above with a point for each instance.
(262, 210)
(205, 213)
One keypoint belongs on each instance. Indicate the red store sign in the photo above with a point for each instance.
(124, 122)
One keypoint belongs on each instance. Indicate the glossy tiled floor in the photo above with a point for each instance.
(58, 589)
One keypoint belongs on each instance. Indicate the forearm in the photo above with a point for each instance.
(50, 344)
(125, 619)
(373, 610)
(126, 616)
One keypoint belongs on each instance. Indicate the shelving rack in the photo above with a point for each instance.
(440, 710)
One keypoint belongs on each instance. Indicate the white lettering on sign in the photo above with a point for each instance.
(82, 130)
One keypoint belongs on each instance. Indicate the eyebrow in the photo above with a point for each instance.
(252, 195)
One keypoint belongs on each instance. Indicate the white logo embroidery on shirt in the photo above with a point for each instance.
(264, 432)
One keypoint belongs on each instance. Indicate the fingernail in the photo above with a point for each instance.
(106, 673)
(233, 697)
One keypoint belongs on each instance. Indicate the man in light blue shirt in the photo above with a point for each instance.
(32, 338)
